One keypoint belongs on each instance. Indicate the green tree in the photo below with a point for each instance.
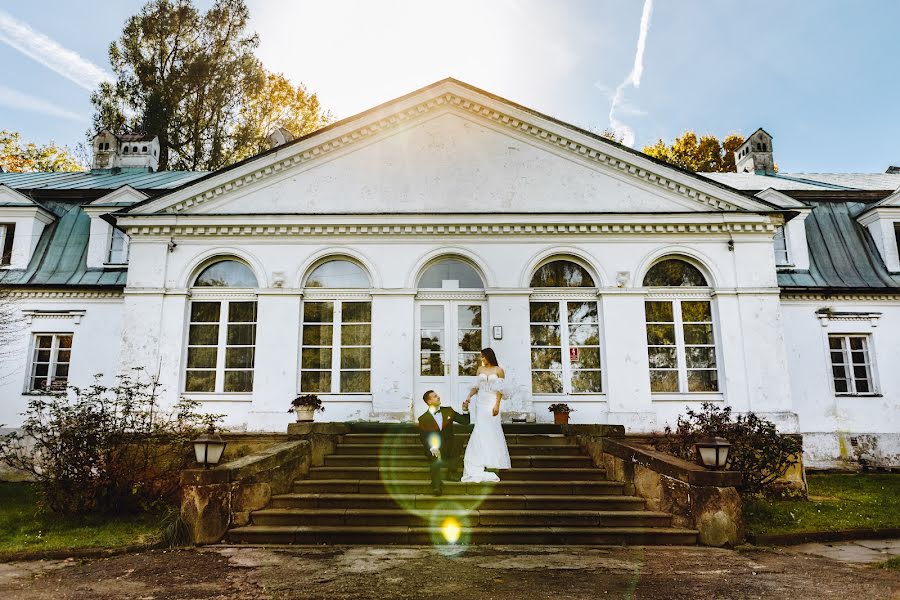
(705, 154)
(277, 103)
(193, 80)
(18, 157)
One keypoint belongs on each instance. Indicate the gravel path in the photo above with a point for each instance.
(497, 572)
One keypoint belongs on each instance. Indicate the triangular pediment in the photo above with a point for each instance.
(11, 197)
(122, 196)
(449, 148)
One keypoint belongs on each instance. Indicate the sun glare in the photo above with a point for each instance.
(451, 530)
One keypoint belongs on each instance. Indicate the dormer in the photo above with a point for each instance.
(789, 244)
(882, 219)
(108, 245)
(755, 154)
(22, 220)
(126, 151)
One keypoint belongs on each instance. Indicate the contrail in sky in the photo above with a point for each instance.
(49, 53)
(15, 99)
(634, 78)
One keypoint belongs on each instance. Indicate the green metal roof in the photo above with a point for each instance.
(60, 257)
(99, 180)
(842, 253)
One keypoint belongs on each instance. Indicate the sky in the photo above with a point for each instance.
(819, 75)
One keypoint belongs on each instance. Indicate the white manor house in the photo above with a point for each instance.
(371, 260)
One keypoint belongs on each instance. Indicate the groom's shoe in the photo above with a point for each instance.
(437, 490)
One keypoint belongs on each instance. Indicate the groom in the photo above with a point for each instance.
(436, 431)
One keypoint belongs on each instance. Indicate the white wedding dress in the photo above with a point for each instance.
(487, 446)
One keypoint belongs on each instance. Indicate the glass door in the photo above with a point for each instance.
(450, 337)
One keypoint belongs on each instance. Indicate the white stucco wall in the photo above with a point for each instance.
(95, 326)
(840, 428)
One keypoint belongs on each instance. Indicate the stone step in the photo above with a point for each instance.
(428, 502)
(419, 460)
(349, 535)
(523, 474)
(362, 517)
(423, 486)
(401, 428)
(409, 438)
(415, 449)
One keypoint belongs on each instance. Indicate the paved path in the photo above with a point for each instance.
(859, 551)
(487, 572)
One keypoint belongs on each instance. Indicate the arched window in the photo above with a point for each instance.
(680, 332)
(336, 353)
(565, 333)
(674, 272)
(226, 273)
(562, 274)
(451, 273)
(221, 344)
(338, 274)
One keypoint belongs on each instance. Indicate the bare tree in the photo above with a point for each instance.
(10, 326)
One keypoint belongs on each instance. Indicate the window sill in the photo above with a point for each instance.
(570, 397)
(108, 265)
(361, 397)
(687, 397)
(868, 395)
(215, 397)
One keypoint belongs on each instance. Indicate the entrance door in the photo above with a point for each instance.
(451, 336)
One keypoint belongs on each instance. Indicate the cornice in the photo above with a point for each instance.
(541, 134)
(577, 227)
(787, 296)
(74, 315)
(65, 294)
(827, 315)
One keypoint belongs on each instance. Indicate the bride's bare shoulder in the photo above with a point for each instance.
(500, 372)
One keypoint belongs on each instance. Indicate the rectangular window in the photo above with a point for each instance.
(7, 234)
(118, 247)
(681, 346)
(781, 250)
(336, 352)
(221, 349)
(851, 364)
(50, 362)
(565, 347)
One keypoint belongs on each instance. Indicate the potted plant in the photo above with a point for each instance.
(306, 406)
(561, 412)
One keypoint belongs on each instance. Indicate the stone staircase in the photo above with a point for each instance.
(375, 489)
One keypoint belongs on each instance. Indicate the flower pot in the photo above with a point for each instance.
(561, 418)
(305, 413)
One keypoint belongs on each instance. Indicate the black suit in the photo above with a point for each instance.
(428, 429)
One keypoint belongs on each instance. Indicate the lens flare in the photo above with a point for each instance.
(451, 530)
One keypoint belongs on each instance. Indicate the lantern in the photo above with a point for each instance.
(713, 452)
(208, 448)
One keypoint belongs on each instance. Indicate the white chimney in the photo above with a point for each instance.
(127, 151)
(755, 154)
(279, 137)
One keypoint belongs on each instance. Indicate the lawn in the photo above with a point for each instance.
(836, 501)
(23, 528)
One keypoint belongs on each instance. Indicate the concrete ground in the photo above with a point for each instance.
(496, 572)
(859, 551)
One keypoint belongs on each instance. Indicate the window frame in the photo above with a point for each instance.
(52, 364)
(846, 350)
(681, 347)
(223, 297)
(788, 259)
(7, 241)
(562, 300)
(125, 247)
(337, 301)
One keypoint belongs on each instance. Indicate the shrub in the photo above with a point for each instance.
(758, 451)
(105, 449)
(308, 401)
(560, 407)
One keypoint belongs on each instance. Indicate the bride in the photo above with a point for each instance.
(487, 446)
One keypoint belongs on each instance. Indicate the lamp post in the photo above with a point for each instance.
(208, 448)
(713, 452)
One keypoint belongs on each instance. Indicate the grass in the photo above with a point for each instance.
(24, 528)
(836, 501)
(891, 563)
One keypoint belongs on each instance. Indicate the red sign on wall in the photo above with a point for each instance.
(573, 354)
